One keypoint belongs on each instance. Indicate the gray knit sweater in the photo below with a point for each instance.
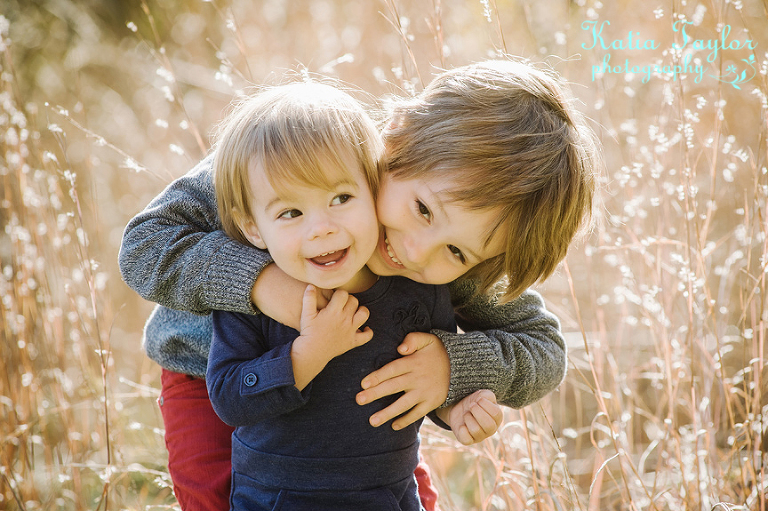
(175, 253)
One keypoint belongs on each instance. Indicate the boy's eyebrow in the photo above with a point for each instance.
(441, 207)
(476, 257)
(438, 200)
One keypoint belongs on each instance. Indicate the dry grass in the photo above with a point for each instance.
(664, 304)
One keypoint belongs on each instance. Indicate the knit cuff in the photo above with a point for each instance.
(469, 356)
(230, 276)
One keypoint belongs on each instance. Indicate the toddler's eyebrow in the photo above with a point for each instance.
(272, 203)
(346, 181)
(343, 181)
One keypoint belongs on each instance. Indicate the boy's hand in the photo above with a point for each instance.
(474, 418)
(423, 374)
(326, 333)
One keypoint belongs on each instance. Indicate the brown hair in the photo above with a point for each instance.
(295, 132)
(508, 133)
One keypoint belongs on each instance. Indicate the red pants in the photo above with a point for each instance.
(200, 448)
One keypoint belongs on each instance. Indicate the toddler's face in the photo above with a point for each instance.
(427, 238)
(322, 237)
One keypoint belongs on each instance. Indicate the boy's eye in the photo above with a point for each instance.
(423, 209)
(290, 213)
(457, 253)
(340, 199)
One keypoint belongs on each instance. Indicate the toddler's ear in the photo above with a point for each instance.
(250, 231)
(252, 234)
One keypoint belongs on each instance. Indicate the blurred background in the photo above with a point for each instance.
(104, 102)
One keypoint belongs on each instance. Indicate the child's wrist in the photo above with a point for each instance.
(308, 359)
(315, 348)
(444, 414)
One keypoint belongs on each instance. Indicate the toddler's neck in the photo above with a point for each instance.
(362, 281)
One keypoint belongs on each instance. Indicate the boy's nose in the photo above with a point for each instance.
(418, 250)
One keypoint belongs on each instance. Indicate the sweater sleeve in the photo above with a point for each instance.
(175, 252)
(515, 349)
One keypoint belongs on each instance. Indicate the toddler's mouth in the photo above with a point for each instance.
(329, 258)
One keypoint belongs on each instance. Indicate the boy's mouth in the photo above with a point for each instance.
(330, 258)
(389, 253)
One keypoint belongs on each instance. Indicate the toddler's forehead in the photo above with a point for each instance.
(324, 173)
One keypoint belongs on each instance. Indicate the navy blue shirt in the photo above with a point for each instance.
(319, 438)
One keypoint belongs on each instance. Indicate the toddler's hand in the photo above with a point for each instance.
(326, 334)
(335, 328)
(279, 296)
(474, 418)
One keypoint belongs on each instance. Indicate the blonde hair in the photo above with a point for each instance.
(295, 132)
(510, 137)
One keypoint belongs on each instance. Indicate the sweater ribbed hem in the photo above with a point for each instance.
(469, 356)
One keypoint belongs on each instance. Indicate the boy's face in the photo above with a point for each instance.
(322, 237)
(427, 238)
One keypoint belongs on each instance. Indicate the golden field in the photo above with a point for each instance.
(102, 103)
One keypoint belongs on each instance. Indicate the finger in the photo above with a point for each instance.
(360, 317)
(350, 306)
(473, 427)
(486, 400)
(309, 303)
(399, 407)
(414, 414)
(392, 370)
(493, 410)
(338, 300)
(404, 403)
(324, 297)
(486, 422)
(363, 336)
(415, 341)
(484, 394)
(383, 388)
(463, 436)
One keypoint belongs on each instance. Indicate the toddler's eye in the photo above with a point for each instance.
(423, 209)
(291, 213)
(457, 253)
(340, 199)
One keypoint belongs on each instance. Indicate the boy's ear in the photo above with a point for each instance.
(250, 231)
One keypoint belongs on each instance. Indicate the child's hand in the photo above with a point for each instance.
(279, 296)
(423, 375)
(326, 333)
(474, 418)
(336, 327)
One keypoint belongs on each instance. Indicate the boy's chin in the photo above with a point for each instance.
(379, 267)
